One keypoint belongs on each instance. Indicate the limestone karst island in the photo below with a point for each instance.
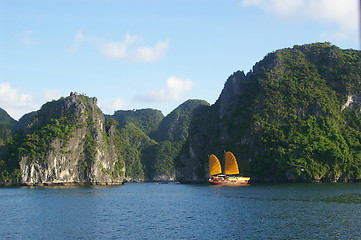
(294, 118)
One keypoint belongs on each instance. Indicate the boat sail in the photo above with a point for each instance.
(231, 171)
(214, 165)
(231, 165)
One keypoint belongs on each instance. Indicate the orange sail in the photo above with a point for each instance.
(231, 166)
(214, 165)
(231, 175)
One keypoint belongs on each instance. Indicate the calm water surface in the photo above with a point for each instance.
(177, 211)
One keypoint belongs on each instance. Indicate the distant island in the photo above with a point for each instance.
(294, 118)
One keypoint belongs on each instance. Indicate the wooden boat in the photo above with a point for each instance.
(231, 176)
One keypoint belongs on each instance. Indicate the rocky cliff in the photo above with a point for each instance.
(160, 159)
(66, 142)
(295, 117)
(151, 142)
(174, 127)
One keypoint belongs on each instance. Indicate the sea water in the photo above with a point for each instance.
(177, 211)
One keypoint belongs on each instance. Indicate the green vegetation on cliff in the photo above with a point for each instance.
(7, 126)
(65, 140)
(303, 130)
(37, 143)
(9, 160)
(151, 143)
(174, 127)
(34, 143)
(295, 117)
(146, 120)
(134, 140)
(159, 160)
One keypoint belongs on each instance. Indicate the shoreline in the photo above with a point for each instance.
(50, 184)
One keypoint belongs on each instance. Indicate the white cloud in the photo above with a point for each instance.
(149, 54)
(280, 7)
(173, 91)
(26, 38)
(344, 14)
(126, 50)
(79, 39)
(14, 103)
(118, 50)
(50, 94)
(117, 104)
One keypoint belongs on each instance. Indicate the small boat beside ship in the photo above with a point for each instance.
(163, 182)
(231, 176)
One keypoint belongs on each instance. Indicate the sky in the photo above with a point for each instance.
(135, 54)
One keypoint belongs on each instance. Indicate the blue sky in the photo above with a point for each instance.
(134, 54)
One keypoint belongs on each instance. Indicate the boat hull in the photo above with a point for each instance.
(232, 181)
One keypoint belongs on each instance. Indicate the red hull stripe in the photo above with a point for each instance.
(228, 182)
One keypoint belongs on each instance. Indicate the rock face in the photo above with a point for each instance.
(290, 119)
(353, 102)
(78, 151)
(174, 127)
(152, 142)
(206, 131)
(295, 117)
